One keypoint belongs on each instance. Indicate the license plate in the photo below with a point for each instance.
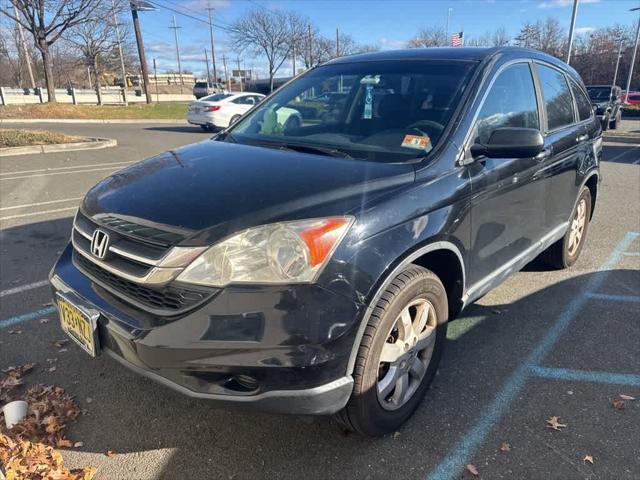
(80, 326)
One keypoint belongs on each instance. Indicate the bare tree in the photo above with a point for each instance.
(47, 20)
(429, 37)
(264, 32)
(500, 37)
(96, 41)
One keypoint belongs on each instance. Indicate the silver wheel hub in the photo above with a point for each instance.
(577, 226)
(406, 354)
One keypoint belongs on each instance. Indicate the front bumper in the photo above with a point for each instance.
(279, 348)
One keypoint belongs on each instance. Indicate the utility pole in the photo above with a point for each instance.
(213, 47)
(241, 74)
(226, 74)
(124, 73)
(572, 29)
(175, 28)
(24, 48)
(206, 61)
(143, 59)
(633, 58)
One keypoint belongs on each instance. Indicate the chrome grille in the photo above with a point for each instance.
(140, 270)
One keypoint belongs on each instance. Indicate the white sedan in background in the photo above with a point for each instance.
(222, 109)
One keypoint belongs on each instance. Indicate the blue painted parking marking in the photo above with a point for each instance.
(629, 379)
(10, 322)
(454, 461)
(614, 298)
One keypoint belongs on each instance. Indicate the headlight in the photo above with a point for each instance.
(287, 252)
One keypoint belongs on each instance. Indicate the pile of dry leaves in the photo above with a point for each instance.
(26, 450)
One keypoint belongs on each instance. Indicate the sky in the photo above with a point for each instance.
(385, 23)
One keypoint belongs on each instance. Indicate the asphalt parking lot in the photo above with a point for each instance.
(545, 343)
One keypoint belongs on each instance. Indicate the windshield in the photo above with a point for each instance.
(388, 111)
(215, 97)
(600, 94)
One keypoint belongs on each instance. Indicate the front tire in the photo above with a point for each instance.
(399, 353)
(565, 252)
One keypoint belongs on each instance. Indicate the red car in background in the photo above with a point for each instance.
(634, 98)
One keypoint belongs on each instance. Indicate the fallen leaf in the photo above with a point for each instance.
(472, 470)
(64, 443)
(52, 369)
(396, 434)
(588, 458)
(554, 422)
(505, 447)
(60, 343)
(62, 350)
(44, 320)
(78, 445)
(15, 332)
(89, 399)
(617, 404)
(627, 397)
(111, 454)
(52, 360)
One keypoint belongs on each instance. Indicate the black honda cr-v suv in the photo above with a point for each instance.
(312, 268)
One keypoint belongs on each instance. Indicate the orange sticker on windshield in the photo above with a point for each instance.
(418, 142)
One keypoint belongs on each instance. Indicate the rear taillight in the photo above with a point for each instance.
(212, 108)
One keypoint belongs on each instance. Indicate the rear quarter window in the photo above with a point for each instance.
(583, 103)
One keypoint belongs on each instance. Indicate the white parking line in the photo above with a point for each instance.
(27, 205)
(71, 167)
(23, 288)
(57, 173)
(623, 154)
(38, 213)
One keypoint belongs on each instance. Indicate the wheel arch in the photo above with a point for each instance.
(592, 184)
(435, 256)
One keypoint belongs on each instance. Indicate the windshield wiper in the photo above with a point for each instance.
(332, 152)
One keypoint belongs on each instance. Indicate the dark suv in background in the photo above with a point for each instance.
(607, 104)
(313, 269)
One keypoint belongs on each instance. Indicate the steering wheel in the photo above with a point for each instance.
(429, 124)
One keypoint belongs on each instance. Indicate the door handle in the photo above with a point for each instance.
(582, 138)
(543, 155)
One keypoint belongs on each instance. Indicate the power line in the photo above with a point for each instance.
(166, 7)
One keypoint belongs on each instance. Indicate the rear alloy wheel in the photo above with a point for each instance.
(566, 251)
(399, 353)
(234, 119)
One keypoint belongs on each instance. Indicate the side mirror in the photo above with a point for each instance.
(510, 142)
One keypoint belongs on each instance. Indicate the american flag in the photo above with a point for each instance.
(456, 39)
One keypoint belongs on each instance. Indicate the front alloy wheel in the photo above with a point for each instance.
(399, 353)
(406, 354)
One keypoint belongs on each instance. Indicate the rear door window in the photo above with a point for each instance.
(557, 97)
(511, 102)
(583, 103)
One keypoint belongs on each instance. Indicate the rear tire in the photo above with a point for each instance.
(399, 353)
(204, 128)
(565, 252)
(234, 119)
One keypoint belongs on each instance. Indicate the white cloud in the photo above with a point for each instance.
(585, 30)
(562, 3)
(392, 44)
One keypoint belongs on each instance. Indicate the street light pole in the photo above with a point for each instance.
(633, 58)
(124, 73)
(572, 29)
(615, 75)
(175, 31)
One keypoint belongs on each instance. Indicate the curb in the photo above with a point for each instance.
(94, 144)
(82, 120)
(633, 139)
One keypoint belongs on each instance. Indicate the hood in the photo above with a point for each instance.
(224, 187)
